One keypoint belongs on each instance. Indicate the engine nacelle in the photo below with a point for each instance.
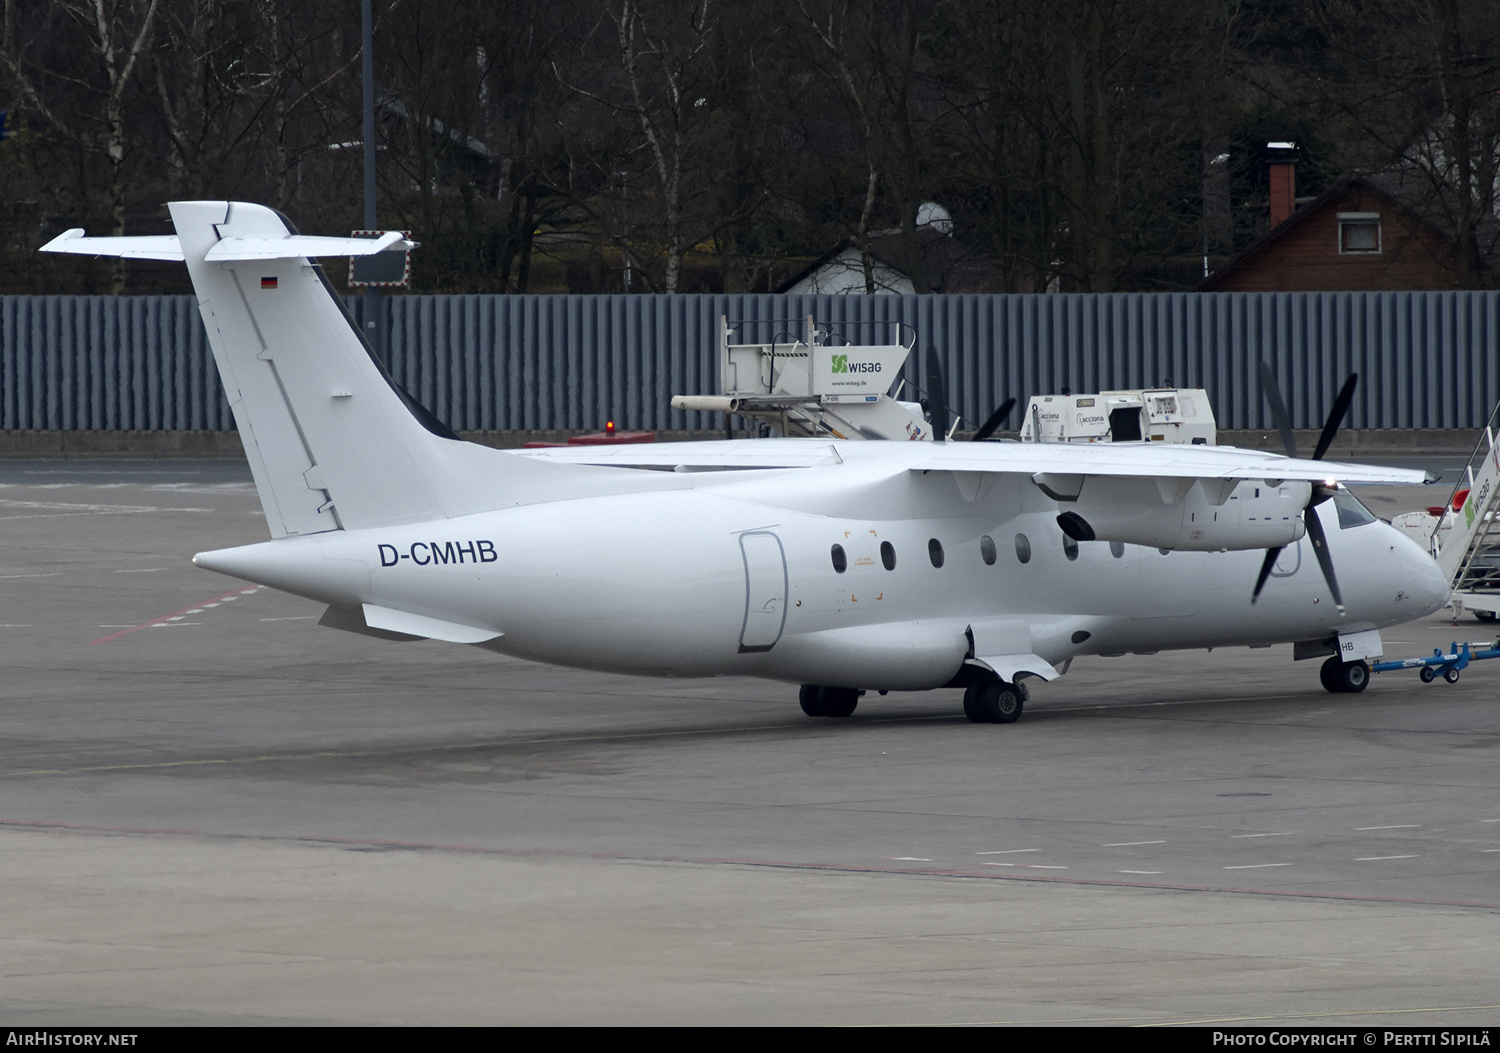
(1195, 515)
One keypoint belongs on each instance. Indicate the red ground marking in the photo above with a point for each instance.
(242, 591)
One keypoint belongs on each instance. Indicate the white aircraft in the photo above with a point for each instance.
(841, 566)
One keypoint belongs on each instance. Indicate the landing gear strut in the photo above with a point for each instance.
(1339, 676)
(994, 702)
(828, 701)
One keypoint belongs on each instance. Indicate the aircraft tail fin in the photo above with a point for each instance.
(332, 441)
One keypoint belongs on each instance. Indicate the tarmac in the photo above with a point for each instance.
(214, 812)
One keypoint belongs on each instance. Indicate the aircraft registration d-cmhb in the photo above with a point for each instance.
(844, 567)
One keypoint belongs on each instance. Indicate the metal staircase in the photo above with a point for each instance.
(1466, 540)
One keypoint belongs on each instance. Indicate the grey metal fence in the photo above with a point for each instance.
(1426, 360)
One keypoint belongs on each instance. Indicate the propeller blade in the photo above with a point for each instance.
(1272, 554)
(992, 425)
(1283, 419)
(1319, 494)
(937, 394)
(1336, 416)
(1320, 546)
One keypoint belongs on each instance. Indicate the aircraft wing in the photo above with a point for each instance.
(1161, 461)
(741, 454)
(1171, 461)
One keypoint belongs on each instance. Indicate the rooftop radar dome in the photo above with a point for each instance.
(931, 214)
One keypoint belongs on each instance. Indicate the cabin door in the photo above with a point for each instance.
(765, 591)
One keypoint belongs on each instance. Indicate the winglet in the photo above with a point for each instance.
(56, 244)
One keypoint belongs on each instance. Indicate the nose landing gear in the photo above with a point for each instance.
(1339, 676)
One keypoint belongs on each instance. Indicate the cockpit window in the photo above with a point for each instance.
(1351, 512)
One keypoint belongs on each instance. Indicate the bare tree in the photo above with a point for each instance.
(119, 51)
(1002, 147)
(831, 26)
(1416, 86)
(117, 32)
(664, 93)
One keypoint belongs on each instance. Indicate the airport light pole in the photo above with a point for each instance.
(374, 331)
(625, 223)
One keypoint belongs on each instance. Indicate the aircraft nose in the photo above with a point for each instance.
(1428, 586)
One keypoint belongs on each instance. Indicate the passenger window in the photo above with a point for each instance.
(935, 552)
(1023, 548)
(840, 562)
(1117, 549)
(987, 549)
(888, 555)
(1070, 547)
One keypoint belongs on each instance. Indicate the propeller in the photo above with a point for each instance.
(993, 422)
(1320, 493)
(937, 409)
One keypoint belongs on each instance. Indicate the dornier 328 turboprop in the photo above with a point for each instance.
(844, 567)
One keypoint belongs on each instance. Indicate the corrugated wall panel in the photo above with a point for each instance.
(482, 362)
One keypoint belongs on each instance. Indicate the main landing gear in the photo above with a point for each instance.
(986, 702)
(1340, 676)
(828, 701)
(994, 702)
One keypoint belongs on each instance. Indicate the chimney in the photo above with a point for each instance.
(1282, 159)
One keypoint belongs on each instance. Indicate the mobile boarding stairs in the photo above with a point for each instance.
(1463, 534)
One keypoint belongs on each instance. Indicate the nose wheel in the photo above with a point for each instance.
(1339, 677)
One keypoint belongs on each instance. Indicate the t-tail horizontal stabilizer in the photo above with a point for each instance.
(167, 247)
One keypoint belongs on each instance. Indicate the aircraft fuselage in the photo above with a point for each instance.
(739, 576)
